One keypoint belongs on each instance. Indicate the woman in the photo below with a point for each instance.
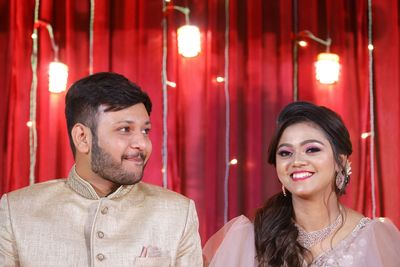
(305, 224)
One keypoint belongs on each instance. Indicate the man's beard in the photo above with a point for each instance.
(106, 167)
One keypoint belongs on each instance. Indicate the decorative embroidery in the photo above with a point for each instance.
(310, 239)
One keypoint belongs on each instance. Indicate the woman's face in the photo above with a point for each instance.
(305, 162)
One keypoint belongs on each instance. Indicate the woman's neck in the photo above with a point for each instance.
(314, 214)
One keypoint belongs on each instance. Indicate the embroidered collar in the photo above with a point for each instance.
(85, 189)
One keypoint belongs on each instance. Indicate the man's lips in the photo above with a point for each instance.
(301, 175)
(137, 158)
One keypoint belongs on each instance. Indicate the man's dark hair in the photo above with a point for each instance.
(104, 88)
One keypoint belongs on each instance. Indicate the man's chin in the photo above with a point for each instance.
(131, 179)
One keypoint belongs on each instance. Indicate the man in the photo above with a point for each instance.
(102, 214)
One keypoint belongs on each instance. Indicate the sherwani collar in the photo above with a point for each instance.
(85, 189)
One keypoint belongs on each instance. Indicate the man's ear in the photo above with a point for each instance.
(82, 137)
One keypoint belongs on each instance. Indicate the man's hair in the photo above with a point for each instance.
(104, 88)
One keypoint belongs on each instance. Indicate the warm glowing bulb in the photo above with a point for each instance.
(327, 68)
(34, 36)
(189, 41)
(58, 75)
(220, 79)
(302, 43)
(29, 124)
(171, 84)
(233, 162)
(365, 135)
(370, 47)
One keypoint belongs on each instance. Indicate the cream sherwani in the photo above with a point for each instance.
(65, 223)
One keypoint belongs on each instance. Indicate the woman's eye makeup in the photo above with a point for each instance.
(284, 152)
(313, 149)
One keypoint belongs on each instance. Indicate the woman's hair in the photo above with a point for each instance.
(275, 233)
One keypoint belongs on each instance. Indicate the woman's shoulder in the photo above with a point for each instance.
(238, 227)
(383, 227)
(364, 225)
(369, 242)
(232, 244)
(239, 223)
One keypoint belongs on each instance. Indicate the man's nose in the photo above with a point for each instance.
(139, 141)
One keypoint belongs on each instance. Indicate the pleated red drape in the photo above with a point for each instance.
(128, 40)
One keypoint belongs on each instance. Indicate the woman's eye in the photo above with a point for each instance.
(284, 153)
(313, 149)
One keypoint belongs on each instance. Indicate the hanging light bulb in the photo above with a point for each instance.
(189, 44)
(327, 68)
(58, 72)
(58, 75)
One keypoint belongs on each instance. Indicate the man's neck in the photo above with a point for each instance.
(102, 186)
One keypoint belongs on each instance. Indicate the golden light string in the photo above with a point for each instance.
(371, 107)
(32, 98)
(164, 148)
(92, 9)
(227, 114)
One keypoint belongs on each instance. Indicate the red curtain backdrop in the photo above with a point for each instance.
(128, 40)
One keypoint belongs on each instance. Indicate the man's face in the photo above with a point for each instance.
(121, 147)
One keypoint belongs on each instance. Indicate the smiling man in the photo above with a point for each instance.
(102, 214)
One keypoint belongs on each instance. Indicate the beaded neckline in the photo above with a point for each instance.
(310, 239)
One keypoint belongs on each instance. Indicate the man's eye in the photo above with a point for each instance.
(146, 131)
(284, 153)
(124, 129)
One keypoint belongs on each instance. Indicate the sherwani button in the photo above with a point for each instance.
(104, 210)
(100, 257)
(100, 234)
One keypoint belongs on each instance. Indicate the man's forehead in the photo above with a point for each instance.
(103, 108)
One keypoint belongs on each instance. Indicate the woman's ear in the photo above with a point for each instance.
(342, 159)
(82, 137)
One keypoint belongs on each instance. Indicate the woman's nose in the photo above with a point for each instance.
(299, 160)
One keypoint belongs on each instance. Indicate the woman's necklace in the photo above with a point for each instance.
(308, 240)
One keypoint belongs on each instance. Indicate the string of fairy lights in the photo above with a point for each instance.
(186, 35)
(371, 106)
(32, 99)
(91, 35)
(164, 82)
(228, 162)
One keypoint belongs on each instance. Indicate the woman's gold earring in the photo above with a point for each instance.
(284, 191)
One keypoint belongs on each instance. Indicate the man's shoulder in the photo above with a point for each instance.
(161, 193)
(37, 189)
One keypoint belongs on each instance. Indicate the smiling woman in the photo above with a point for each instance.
(305, 162)
(306, 225)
